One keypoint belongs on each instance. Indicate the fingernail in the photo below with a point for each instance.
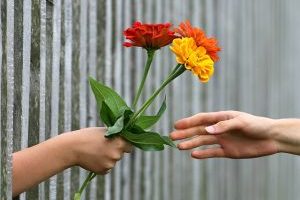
(210, 129)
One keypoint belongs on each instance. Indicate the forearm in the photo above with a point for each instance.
(287, 134)
(36, 164)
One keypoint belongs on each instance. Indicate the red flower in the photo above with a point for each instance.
(210, 44)
(149, 36)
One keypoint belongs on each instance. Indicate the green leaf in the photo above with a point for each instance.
(168, 141)
(111, 98)
(147, 141)
(116, 128)
(127, 113)
(119, 125)
(148, 121)
(136, 129)
(150, 147)
(107, 115)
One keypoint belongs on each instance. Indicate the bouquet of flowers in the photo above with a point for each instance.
(194, 52)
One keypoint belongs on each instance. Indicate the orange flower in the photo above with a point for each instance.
(210, 44)
(149, 36)
(193, 58)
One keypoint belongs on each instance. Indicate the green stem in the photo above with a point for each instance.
(175, 68)
(85, 183)
(150, 54)
(178, 70)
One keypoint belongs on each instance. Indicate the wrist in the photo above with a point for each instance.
(67, 148)
(286, 133)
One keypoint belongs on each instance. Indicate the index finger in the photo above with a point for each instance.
(204, 119)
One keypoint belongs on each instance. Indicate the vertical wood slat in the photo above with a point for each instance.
(1, 106)
(101, 48)
(137, 173)
(117, 80)
(184, 101)
(126, 175)
(10, 99)
(67, 86)
(166, 65)
(147, 156)
(76, 15)
(196, 102)
(42, 120)
(108, 77)
(1, 135)
(157, 71)
(55, 83)
(26, 71)
(92, 62)
(49, 20)
(176, 99)
(25, 76)
(83, 77)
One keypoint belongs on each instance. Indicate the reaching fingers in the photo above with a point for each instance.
(187, 133)
(225, 126)
(204, 118)
(198, 141)
(209, 153)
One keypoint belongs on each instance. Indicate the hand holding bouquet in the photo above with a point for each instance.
(194, 52)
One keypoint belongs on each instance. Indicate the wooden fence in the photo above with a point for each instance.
(49, 48)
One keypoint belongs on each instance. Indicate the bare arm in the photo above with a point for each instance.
(237, 134)
(87, 148)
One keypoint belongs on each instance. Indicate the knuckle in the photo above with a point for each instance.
(120, 142)
(203, 141)
(221, 124)
(117, 156)
(109, 165)
(191, 143)
(200, 130)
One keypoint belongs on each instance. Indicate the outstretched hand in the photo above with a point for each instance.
(234, 134)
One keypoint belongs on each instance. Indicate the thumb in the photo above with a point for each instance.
(224, 126)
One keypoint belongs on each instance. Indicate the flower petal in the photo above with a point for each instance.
(149, 36)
